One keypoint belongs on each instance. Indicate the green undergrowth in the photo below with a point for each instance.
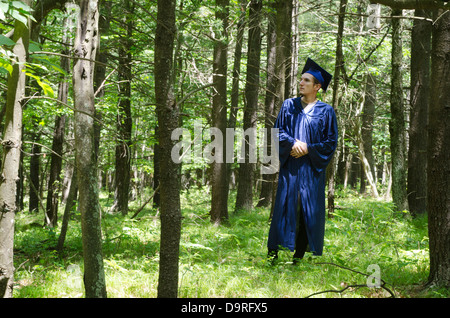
(364, 237)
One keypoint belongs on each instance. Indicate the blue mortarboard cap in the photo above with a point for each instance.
(318, 72)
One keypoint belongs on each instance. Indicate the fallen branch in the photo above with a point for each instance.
(145, 203)
(383, 283)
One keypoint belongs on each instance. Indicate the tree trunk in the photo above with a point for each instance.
(237, 65)
(69, 197)
(168, 120)
(289, 81)
(269, 180)
(219, 180)
(11, 143)
(86, 44)
(34, 200)
(367, 119)
(156, 170)
(339, 65)
(438, 200)
(124, 120)
(70, 203)
(397, 122)
(294, 49)
(235, 89)
(55, 167)
(244, 198)
(283, 9)
(419, 101)
(58, 134)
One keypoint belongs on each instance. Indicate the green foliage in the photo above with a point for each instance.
(226, 261)
(230, 261)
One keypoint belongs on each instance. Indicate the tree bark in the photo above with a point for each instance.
(294, 49)
(237, 65)
(269, 180)
(54, 183)
(419, 101)
(86, 44)
(283, 9)
(11, 143)
(219, 176)
(414, 4)
(438, 197)
(34, 199)
(244, 198)
(397, 123)
(235, 87)
(367, 119)
(338, 69)
(168, 120)
(70, 203)
(124, 120)
(288, 81)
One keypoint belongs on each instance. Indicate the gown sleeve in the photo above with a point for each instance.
(321, 152)
(286, 141)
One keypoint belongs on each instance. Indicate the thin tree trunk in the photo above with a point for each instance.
(156, 170)
(69, 198)
(244, 198)
(289, 81)
(367, 119)
(124, 120)
(438, 200)
(397, 127)
(168, 120)
(269, 180)
(283, 20)
(33, 204)
(294, 48)
(58, 134)
(55, 168)
(86, 44)
(70, 203)
(11, 143)
(338, 70)
(219, 176)
(419, 101)
(235, 89)
(237, 65)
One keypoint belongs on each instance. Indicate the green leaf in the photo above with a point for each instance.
(19, 17)
(48, 91)
(3, 9)
(34, 47)
(5, 67)
(20, 5)
(6, 41)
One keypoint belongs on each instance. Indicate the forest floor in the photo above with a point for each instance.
(364, 237)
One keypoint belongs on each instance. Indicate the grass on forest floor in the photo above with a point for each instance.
(230, 260)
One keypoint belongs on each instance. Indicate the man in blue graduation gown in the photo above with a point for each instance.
(308, 135)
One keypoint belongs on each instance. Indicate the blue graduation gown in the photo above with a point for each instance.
(302, 178)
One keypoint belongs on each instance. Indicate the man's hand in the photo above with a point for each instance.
(299, 149)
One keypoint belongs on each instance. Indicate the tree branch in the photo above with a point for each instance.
(414, 4)
(383, 283)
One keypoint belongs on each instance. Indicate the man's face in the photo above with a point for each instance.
(307, 86)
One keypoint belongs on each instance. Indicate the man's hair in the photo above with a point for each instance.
(316, 81)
